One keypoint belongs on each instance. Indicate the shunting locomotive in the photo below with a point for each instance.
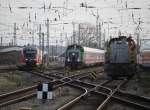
(120, 59)
(78, 56)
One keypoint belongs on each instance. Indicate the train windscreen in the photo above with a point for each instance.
(30, 53)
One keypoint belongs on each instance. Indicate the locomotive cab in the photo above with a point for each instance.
(121, 57)
(73, 57)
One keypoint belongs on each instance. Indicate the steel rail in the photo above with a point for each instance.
(26, 93)
(111, 94)
(136, 101)
(12, 97)
(89, 88)
(71, 103)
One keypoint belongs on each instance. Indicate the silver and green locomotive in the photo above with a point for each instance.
(78, 56)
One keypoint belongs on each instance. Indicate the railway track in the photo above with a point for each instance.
(90, 97)
(16, 96)
(89, 102)
(105, 92)
(131, 100)
(135, 101)
(108, 91)
(26, 93)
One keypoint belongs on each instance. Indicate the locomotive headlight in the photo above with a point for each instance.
(68, 60)
(78, 60)
(73, 54)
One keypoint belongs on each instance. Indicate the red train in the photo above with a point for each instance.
(144, 58)
(20, 57)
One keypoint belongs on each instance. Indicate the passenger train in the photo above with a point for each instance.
(78, 56)
(31, 56)
(21, 57)
(144, 58)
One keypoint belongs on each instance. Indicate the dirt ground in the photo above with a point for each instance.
(139, 85)
(117, 106)
(13, 80)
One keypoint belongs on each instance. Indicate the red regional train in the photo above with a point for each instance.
(21, 57)
(144, 58)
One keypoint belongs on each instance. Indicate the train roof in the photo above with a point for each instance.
(145, 50)
(30, 47)
(87, 49)
(120, 38)
(9, 49)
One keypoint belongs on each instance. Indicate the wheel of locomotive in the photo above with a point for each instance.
(134, 70)
(110, 71)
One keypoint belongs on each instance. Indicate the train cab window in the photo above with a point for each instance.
(30, 53)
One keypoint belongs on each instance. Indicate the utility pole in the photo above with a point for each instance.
(1, 41)
(138, 29)
(138, 42)
(67, 39)
(119, 33)
(40, 37)
(71, 40)
(12, 42)
(42, 44)
(99, 35)
(32, 38)
(48, 40)
(108, 32)
(56, 48)
(43, 58)
(97, 31)
(15, 40)
(73, 33)
(104, 36)
(44, 62)
(79, 35)
(61, 41)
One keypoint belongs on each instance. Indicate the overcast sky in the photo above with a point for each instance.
(115, 15)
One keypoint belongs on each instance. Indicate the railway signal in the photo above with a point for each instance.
(44, 91)
(93, 75)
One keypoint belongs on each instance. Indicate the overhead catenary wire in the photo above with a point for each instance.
(50, 6)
